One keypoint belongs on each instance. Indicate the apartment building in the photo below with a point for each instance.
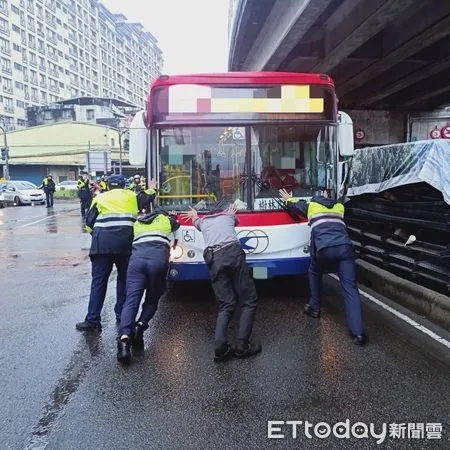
(51, 50)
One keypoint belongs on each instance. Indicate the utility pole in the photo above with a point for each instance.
(5, 151)
(120, 152)
(121, 130)
(120, 143)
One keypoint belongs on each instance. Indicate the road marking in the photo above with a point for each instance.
(39, 220)
(402, 316)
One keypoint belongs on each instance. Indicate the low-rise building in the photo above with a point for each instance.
(63, 149)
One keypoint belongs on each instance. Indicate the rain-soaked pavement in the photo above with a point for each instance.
(63, 390)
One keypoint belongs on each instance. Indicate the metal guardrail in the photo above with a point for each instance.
(379, 229)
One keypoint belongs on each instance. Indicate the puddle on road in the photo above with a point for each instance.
(66, 259)
(45, 258)
(48, 229)
(67, 262)
(54, 222)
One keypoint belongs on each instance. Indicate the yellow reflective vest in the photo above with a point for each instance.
(318, 214)
(110, 219)
(152, 235)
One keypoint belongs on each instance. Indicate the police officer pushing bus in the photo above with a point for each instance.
(148, 268)
(110, 220)
(230, 278)
(331, 250)
(146, 197)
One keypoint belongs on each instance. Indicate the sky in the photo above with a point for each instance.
(193, 34)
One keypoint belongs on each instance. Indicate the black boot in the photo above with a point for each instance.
(137, 341)
(360, 339)
(124, 350)
(88, 326)
(246, 349)
(309, 311)
(223, 352)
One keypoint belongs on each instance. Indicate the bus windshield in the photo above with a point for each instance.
(199, 166)
(291, 157)
(246, 165)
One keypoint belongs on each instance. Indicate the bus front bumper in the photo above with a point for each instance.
(261, 270)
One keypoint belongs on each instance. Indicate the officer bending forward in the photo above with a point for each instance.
(147, 270)
(331, 251)
(110, 220)
(229, 275)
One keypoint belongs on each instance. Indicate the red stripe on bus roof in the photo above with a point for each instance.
(242, 78)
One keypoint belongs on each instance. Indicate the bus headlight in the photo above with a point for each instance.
(176, 252)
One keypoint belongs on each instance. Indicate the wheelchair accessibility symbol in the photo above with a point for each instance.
(188, 235)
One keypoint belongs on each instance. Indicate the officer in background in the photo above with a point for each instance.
(146, 197)
(84, 192)
(331, 250)
(230, 277)
(148, 268)
(110, 220)
(137, 184)
(49, 189)
(80, 180)
(103, 184)
(95, 188)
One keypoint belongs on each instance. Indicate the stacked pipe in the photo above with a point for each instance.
(405, 231)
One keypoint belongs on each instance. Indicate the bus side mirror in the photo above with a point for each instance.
(345, 135)
(138, 140)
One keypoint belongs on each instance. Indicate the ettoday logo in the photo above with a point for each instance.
(280, 429)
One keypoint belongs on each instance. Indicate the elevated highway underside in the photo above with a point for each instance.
(382, 54)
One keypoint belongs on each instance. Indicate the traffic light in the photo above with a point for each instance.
(5, 153)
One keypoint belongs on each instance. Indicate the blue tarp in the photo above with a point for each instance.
(377, 169)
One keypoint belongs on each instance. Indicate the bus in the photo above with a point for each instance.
(240, 137)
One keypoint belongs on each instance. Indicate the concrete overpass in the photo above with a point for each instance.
(383, 55)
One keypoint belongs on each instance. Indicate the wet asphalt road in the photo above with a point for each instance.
(61, 389)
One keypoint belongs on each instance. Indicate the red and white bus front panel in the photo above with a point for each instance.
(274, 244)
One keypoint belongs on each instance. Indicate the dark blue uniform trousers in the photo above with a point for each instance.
(144, 274)
(340, 259)
(85, 203)
(102, 266)
(49, 198)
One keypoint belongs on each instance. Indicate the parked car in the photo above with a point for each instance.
(22, 193)
(67, 185)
